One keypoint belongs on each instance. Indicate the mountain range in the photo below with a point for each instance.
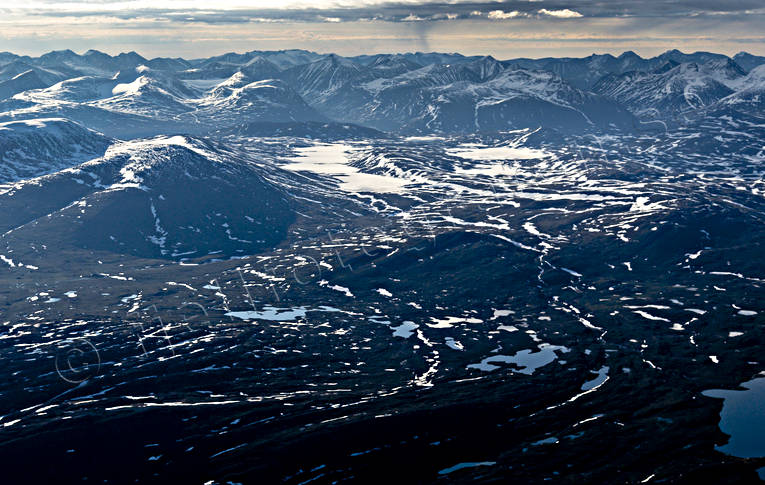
(414, 93)
(291, 267)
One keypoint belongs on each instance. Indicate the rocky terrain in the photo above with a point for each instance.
(287, 267)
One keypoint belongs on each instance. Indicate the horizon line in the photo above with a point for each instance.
(609, 53)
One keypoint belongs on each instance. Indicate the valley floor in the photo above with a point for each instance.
(487, 308)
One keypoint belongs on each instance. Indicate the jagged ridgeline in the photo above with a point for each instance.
(128, 96)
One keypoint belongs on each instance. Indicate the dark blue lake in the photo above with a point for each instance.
(743, 418)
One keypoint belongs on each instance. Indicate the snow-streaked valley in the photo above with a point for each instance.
(286, 267)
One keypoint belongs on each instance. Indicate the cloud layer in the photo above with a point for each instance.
(500, 28)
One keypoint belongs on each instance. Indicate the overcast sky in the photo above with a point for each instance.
(504, 29)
